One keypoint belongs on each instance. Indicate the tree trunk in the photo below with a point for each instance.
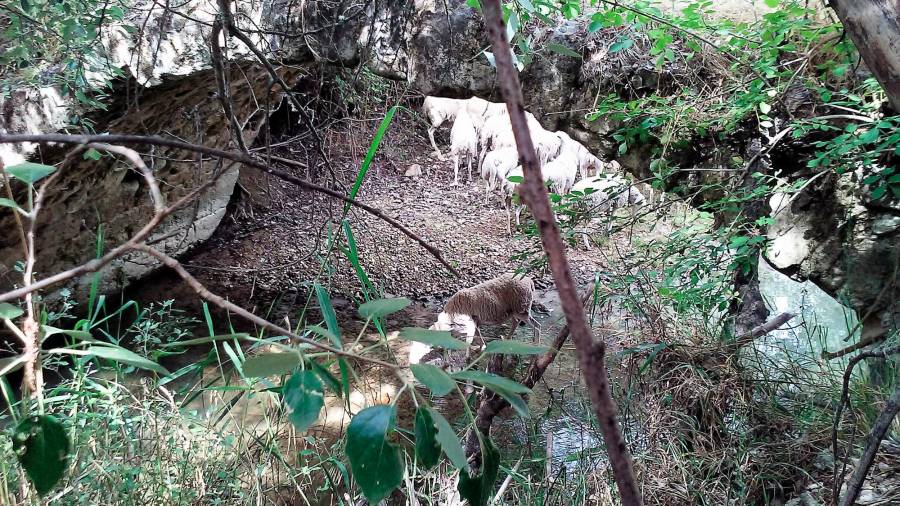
(874, 26)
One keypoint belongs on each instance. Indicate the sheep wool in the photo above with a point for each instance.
(495, 301)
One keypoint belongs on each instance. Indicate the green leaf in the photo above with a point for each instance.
(514, 400)
(29, 172)
(621, 45)
(563, 50)
(382, 307)
(303, 393)
(328, 313)
(9, 312)
(370, 154)
(8, 203)
(81, 335)
(434, 378)
(479, 489)
(879, 192)
(326, 376)
(448, 440)
(375, 463)
(327, 334)
(438, 338)
(43, 449)
(492, 381)
(270, 364)
(514, 348)
(117, 354)
(515, 179)
(428, 450)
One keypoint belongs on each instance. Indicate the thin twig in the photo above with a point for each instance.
(590, 354)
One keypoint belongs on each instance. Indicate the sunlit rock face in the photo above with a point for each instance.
(833, 234)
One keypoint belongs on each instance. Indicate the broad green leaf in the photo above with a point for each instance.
(479, 489)
(492, 381)
(9, 312)
(771, 3)
(437, 338)
(376, 464)
(514, 348)
(43, 449)
(563, 50)
(270, 364)
(428, 451)
(303, 393)
(29, 172)
(328, 313)
(621, 45)
(117, 354)
(434, 378)
(515, 400)
(448, 440)
(326, 376)
(8, 203)
(382, 307)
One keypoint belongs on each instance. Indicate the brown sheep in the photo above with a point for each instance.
(495, 301)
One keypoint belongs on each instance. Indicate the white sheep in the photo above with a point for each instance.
(586, 160)
(463, 142)
(507, 190)
(606, 193)
(497, 133)
(561, 171)
(438, 110)
(496, 165)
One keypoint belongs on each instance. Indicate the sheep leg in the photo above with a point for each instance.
(455, 169)
(469, 162)
(431, 131)
(587, 243)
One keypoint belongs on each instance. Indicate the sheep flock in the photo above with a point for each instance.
(481, 133)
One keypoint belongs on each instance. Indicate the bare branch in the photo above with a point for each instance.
(590, 354)
(159, 203)
(230, 155)
(202, 291)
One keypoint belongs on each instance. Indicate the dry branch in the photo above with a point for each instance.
(230, 155)
(590, 354)
(876, 435)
